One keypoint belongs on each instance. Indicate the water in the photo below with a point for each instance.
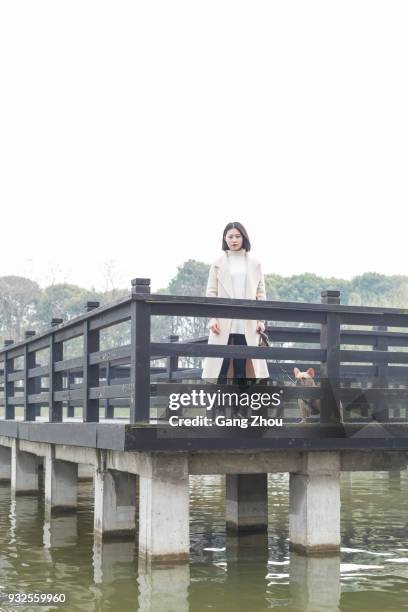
(250, 573)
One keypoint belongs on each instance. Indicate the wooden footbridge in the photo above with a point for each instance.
(360, 358)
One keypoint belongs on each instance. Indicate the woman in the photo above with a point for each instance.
(235, 275)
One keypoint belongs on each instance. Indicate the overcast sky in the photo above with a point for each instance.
(132, 132)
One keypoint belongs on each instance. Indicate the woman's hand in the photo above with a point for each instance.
(260, 326)
(215, 326)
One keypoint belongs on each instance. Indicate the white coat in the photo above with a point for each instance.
(220, 285)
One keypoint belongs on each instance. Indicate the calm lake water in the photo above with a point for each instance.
(250, 573)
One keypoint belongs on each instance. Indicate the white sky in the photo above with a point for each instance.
(132, 132)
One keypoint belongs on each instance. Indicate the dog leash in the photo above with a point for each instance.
(265, 339)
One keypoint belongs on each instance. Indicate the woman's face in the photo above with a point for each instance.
(234, 239)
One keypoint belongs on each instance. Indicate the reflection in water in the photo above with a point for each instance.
(108, 557)
(250, 573)
(163, 587)
(60, 531)
(315, 582)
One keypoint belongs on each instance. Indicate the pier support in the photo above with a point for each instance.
(115, 504)
(164, 509)
(5, 464)
(60, 485)
(314, 504)
(85, 472)
(247, 502)
(24, 471)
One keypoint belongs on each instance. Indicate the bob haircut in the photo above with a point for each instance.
(246, 244)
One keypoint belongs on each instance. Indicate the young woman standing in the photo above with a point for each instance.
(236, 275)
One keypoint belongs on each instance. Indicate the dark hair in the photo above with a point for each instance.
(246, 244)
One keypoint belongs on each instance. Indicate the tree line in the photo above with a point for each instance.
(25, 305)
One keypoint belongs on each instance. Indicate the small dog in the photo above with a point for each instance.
(312, 406)
(307, 407)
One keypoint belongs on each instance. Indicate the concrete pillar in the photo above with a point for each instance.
(164, 509)
(24, 471)
(60, 485)
(85, 472)
(247, 502)
(115, 504)
(5, 464)
(163, 587)
(314, 504)
(314, 583)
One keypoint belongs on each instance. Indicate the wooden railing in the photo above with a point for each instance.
(123, 376)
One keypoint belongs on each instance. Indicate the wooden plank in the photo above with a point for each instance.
(39, 343)
(65, 333)
(39, 398)
(15, 351)
(76, 363)
(110, 391)
(238, 312)
(38, 371)
(110, 355)
(68, 394)
(15, 375)
(114, 316)
(16, 400)
(203, 350)
(374, 356)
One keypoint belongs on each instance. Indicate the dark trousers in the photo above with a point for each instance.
(238, 365)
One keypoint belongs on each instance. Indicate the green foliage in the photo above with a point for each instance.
(19, 299)
(24, 305)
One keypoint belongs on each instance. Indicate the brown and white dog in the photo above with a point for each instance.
(312, 406)
(307, 407)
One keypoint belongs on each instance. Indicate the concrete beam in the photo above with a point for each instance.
(24, 471)
(164, 510)
(39, 449)
(314, 504)
(359, 461)
(6, 441)
(76, 454)
(238, 462)
(247, 502)
(60, 485)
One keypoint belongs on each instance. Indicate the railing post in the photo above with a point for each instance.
(109, 410)
(9, 409)
(30, 410)
(381, 410)
(54, 381)
(70, 381)
(330, 369)
(90, 372)
(140, 351)
(172, 361)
